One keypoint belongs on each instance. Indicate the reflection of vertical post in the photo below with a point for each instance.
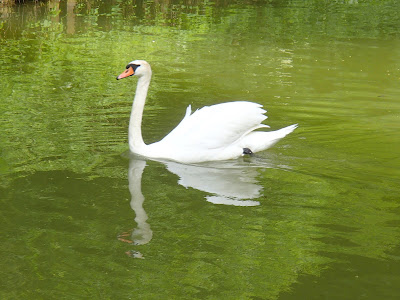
(70, 16)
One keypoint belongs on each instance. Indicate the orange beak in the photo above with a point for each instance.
(128, 72)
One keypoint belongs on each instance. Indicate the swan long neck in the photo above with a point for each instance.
(136, 143)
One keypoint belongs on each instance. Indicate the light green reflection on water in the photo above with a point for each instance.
(325, 198)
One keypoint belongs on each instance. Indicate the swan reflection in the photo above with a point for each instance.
(142, 234)
(229, 183)
(226, 183)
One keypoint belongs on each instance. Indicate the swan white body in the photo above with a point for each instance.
(217, 132)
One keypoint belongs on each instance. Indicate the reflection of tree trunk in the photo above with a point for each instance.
(5, 8)
(55, 6)
(70, 16)
(7, 3)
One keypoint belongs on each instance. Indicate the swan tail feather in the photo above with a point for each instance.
(260, 140)
(188, 111)
(285, 131)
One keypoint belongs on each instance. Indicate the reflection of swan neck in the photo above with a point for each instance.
(135, 123)
(142, 234)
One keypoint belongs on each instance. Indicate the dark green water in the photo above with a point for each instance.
(315, 217)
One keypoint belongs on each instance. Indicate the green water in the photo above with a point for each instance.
(315, 217)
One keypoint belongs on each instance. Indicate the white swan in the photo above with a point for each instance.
(218, 132)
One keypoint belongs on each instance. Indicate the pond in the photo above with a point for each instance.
(316, 216)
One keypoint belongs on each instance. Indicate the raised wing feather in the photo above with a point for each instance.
(216, 126)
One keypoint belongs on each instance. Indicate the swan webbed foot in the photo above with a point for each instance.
(247, 151)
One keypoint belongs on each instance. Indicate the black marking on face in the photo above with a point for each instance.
(133, 66)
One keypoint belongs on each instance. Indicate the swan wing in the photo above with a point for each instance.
(216, 126)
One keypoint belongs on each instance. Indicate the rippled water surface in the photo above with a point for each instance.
(315, 217)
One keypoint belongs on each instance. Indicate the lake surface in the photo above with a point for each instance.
(317, 216)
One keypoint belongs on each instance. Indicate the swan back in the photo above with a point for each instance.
(216, 132)
(217, 126)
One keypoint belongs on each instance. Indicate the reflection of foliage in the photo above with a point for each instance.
(296, 19)
(58, 96)
(61, 113)
(67, 229)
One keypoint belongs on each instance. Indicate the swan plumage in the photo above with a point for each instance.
(216, 132)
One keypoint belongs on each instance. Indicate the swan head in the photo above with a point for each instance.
(136, 67)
